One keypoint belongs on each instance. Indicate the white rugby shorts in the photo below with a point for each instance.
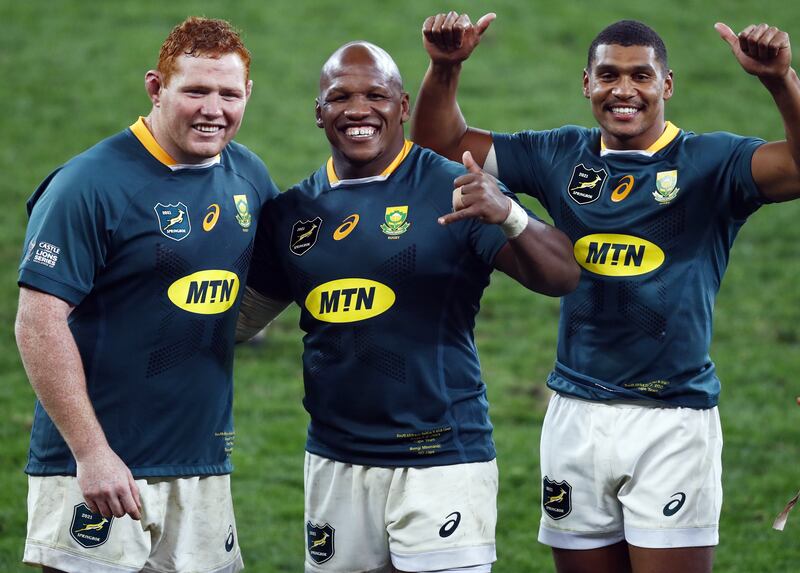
(187, 525)
(647, 474)
(365, 518)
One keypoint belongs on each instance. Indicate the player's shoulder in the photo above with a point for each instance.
(309, 189)
(566, 136)
(422, 160)
(716, 140)
(240, 160)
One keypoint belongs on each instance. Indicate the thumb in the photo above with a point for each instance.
(727, 34)
(483, 22)
(470, 163)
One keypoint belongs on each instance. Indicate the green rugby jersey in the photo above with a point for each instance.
(653, 231)
(152, 256)
(388, 301)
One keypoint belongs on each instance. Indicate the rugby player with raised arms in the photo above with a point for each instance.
(631, 443)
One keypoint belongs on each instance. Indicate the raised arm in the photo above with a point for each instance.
(55, 370)
(765, 52)
(537, 255)
(437, 121)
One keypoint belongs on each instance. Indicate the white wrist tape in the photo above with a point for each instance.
(516, 221)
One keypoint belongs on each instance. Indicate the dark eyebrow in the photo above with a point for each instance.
(605, 68)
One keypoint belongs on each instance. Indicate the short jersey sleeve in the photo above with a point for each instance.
(67, 239)
(736, 173)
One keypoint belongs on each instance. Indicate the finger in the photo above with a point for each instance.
(436, 30)
(727, 34)
(457, 216)
(115, 505)
(447, 30)
(135, 492)
(483, 22)
(91, 505)
(103, 508)
(754, 40)
(129, 505)
(427, 26)
(460, 28)
(465, 180)
(767, 48)
(458, 200)
(744, 42)
(471, 165)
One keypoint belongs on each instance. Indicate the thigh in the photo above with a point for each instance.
(197, 528)
(345, 517)
(610, 559)
(63, 534)
(683, 559)
(580, 509)
(674, 494)
(443, 518)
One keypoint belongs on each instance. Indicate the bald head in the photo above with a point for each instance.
(360, 55)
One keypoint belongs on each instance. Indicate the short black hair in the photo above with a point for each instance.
(629, 33)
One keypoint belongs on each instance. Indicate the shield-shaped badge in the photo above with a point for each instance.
(304, 235)
(556, 498)
(396, 221)
(173, 220)
(320, 542)
(89, 529)
(586, 184)
(666, 186)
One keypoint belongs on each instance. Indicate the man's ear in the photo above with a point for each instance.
(586, 83)
(153, 84)
(405, 105)
(318, 113)
(669, 85)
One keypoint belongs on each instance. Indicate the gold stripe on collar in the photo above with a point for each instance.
(334, 180)
(149, 142)
(670, 132)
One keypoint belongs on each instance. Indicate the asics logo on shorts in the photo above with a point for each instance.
(229, 540)
(675, 505)
(449, 527)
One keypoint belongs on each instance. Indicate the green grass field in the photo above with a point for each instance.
(73, 74)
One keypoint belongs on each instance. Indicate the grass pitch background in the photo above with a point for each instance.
(73, 74)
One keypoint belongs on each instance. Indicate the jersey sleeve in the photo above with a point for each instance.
(526, 158)
(267, 275)
(744, 197)
(67, 238)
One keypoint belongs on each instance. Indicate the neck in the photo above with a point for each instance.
(346, 168)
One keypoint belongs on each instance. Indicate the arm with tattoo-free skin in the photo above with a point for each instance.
(537, 255)
(55, 370)
(437, 121)
(765, 52)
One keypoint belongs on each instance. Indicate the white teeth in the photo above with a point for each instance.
(207, 128)
(624, 110)
(360, 131)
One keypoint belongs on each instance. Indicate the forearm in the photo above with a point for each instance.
(55, 370)
(541, 259)
(786, 94)
(437, 121)
(255, 313)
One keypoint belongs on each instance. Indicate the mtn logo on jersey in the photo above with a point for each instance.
(205, 292)
(319, 539)
(586, 184)
(349, 300)
(173, 220)
(617, 255)
(89, 529)
(304, 235)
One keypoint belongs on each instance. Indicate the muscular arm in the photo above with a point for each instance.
(537, 255)
(55, 370)
(437, 121)
(765, 52)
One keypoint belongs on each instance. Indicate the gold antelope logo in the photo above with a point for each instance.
(321, 541)
(175, 220)
(556, 498)
(306, 235)
(94, 526)
(587, 184)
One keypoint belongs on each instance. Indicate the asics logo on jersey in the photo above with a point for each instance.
(623, 189)
(211, 218)
(675, 505)
(346, 227)
(349, 300)
(617, 255)
(449, 527)
(205, 292)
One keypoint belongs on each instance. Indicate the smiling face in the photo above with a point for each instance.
(199, 110)
(362, 108)
(627, 87)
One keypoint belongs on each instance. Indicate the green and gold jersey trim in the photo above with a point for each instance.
(335, 181)
(671, 131)
(145, 137)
